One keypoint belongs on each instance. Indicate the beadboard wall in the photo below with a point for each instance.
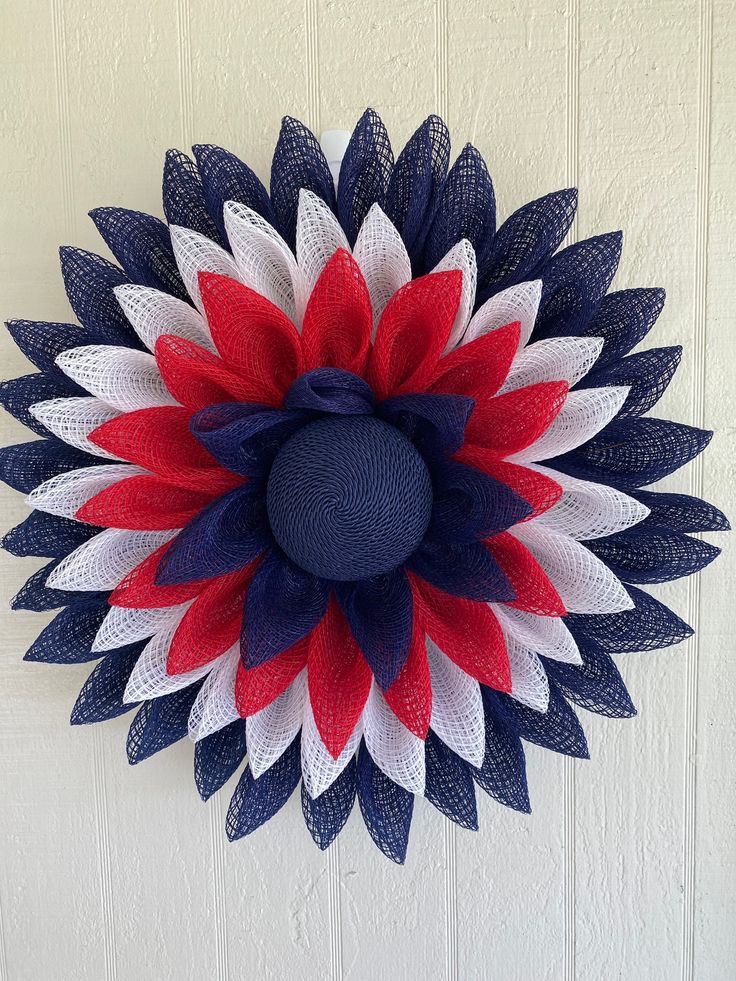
(625, 870)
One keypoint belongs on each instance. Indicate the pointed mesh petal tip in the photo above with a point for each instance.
(433, 120)
(76, 718)
(16, 604)
(7, 543)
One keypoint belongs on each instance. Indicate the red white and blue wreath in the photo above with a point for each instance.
(345, 482)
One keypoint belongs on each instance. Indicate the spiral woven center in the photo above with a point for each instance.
(348, 498)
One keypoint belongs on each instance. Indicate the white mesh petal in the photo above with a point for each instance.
(67, 492)
(584, 414)
(520, 302)
(553, 359)
(529, 682)
(381, 254)
(149, 678)
(318, 236)
(546, 636)
(265, 262)
(214, 707)
(457, 707)
(270, 732)
(195, 253)
(585, 584)
(73, 419)
(588, 510)
(153, 313)
(125, 625)
(122, 377)
(319, 768)
(461, 256)
(395, 750)
(105, 559)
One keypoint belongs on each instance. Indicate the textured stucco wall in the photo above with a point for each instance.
(626, 868)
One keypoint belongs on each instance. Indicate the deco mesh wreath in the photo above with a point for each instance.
(348, 482)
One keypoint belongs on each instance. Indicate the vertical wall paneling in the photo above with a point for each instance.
(692, 655)
(572, 115)
(714, 939)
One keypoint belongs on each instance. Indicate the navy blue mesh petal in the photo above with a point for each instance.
(101, 697)
(89, 281)
(26, 465)
(434, 423)
(223, 537)
(34, 595)
(330, 390)
(648, 555)
(416, 183)
(469, 571)
(18, 394)
(681, 512)
(160, 722)
(557, 729)
(245, 437)
(47, 536)
(183, 196)
(380, 613)
(503, 772)
(68, 638)
(386, 808)
(647, 627)
(596, 684)
(632, 453)
(226, 178)
(325, 816)
(141, 244)
(42, 342)
(648, 373)
(449, 783)
(575, 281)
(364, 172)
(466, 209)
(256, 801)
(298, 162)
(217, 757)
(469, 505)
(623, 320)
(282, 605)
(526, 240)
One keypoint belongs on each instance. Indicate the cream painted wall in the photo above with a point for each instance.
(626, 868)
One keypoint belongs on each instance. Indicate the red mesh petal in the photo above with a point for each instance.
(159, 440)
(143, 503)
(534, 591)
(338, 321)
(410, 696)
(211, 625)
(468, 633)
(537, 489)
(478, 369)
(197, 378)
(509, 423)
(257, 687)
(139, 590)
(254, 337)
(339, 679)
(412, 333)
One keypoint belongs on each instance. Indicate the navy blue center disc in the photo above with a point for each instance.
(348, 498)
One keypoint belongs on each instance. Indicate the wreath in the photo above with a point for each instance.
(345, 482)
